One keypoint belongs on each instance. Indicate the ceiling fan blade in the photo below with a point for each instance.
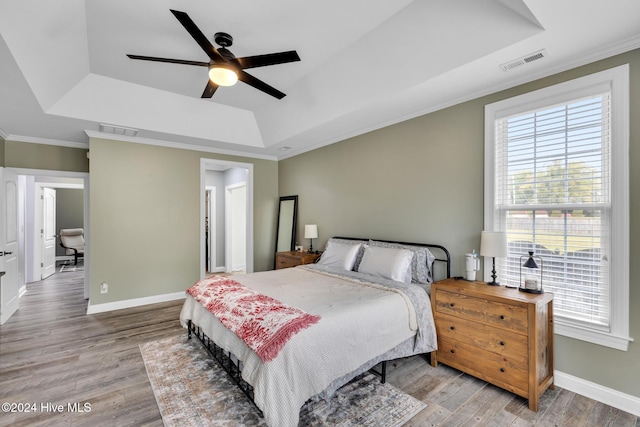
(171, 61)
(260, 85)
(268, 59)
(209, 90)
(197, 35)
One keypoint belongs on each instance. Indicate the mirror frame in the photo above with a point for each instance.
(293, 220)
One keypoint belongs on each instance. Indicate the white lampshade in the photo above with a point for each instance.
(311, 231)
(493, 244)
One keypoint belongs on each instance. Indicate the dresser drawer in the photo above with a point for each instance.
(478, 309)
(494, 368)
(283, 261)
(293, 259)
(506, 343)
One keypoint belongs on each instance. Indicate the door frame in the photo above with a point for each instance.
(86, 216)
(221, 165)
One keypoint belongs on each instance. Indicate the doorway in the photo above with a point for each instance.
(224, 231)
(33, 220)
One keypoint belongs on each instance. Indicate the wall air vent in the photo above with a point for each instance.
(524, 60)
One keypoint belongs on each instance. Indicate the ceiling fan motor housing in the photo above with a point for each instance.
(223, 39)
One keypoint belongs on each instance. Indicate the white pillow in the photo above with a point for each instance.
(390, 263)
(339, 255)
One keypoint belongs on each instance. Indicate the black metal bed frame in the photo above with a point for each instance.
(225, 359)
(234, 368)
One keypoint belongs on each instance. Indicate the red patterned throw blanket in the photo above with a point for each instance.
(263, 323)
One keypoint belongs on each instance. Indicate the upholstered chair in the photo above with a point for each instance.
(72, 240)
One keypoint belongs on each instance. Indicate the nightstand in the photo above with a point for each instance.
(500, 335)
(293, 258)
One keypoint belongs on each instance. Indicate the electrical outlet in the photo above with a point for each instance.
(104, 288)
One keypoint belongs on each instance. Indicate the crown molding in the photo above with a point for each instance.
(624, 46)
(178, 145)
(44, 141)
(593, 56)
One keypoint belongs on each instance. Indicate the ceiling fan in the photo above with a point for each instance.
(224, 68)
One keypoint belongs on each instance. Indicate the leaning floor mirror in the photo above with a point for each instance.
(286, 227)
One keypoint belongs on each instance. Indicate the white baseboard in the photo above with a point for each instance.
(136, 302)
(608, 396)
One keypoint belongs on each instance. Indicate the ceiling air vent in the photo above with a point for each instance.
(524, 60)
(118, 130)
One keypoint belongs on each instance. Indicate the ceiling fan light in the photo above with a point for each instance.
(223, 75)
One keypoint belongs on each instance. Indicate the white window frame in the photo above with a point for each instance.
(617, 79)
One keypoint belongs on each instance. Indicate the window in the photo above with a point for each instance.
(557, 181)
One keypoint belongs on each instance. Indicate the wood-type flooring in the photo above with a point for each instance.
(61, 367)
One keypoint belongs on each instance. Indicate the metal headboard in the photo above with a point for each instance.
(442, 254)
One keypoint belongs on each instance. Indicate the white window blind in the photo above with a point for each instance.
(552, 196)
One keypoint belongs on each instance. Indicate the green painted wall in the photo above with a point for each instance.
(422, 180)
(2, 145)
(145, 218)
(44, 156)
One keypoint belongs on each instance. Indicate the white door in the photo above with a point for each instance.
(48, 232)
(236, 228)
(9, 296)
(211, 228)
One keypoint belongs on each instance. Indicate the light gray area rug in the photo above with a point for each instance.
(192, 390)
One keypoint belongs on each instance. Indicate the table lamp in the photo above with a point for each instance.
(311, 232)
(493, 244)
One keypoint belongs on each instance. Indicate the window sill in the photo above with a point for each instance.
(606, 339)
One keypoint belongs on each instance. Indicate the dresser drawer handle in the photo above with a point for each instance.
(501, 342)
(453, 351)
(502, 317)
(501, 369)
(452, 328)
(451, 304)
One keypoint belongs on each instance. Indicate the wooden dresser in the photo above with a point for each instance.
(293, 258)
(500, 335)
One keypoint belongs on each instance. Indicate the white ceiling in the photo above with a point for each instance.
(365, 64)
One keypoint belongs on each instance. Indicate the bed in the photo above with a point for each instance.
(364, 302)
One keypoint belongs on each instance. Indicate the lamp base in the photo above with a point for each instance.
(532, 291)
(493, 275)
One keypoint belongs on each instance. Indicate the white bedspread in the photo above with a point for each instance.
(359, 321)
